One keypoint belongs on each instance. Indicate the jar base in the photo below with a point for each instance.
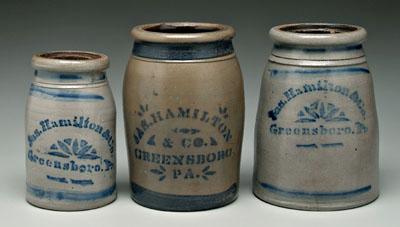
(307, 206)
(183, 203)
(69, 200)
(72, 207)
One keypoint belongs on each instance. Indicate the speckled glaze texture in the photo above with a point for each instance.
(184, 110)
(316, 137)
(70, 132)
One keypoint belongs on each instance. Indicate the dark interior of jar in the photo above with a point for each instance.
(78, 56)
(318, 28)
(179, 29)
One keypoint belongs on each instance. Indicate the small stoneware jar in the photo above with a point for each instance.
(70, 132)
(184, 109)
(317, 130)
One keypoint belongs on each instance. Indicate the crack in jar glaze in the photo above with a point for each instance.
(317, 131)
(70, 132)
(184, 110)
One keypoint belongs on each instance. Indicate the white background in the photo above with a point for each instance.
(103, 26)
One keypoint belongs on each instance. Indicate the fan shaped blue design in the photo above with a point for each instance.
(321, 110)
(73, 147)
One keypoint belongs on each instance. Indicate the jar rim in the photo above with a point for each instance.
(70, 61)
(318, 34)
(182, 32)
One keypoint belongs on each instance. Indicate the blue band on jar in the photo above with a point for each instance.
(315, 194)
(318, 49)
(182, 51)
(63, 94)
(69, 195)
(171, 202)
(318, 71)
(70, 78)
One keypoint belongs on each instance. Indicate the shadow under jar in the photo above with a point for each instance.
(317, 132)
(184, 110)
(70, 132)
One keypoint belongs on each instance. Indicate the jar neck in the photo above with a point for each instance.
(183, 51)
(318, 55)
(68, 78)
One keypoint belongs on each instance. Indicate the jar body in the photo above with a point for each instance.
(316, 133)
(70, 134)
(184, 125)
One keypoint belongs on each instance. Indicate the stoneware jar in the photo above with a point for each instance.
(183, 104)
(70, 132)
(317, 131)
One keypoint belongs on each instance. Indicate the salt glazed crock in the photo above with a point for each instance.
(70, 132)
(317, 133)
(184, 110)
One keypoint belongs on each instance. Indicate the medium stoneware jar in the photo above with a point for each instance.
(317, 130)
(184, 109)
(70, 132)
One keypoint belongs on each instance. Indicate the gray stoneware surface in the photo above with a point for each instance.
(70, 132)
(316, 137)
(184, 112)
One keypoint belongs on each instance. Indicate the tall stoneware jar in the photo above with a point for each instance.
(70, 132)
(183, 105)
(317, 130)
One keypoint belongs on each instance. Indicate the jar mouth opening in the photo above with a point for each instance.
(181, 29)
(182, 32)
(318, 29)
(318, 34)
(70, 55)
(70, 61)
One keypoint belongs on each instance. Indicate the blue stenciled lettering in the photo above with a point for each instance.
(319, 86)
(182, 113)
(277, 130)
(71, 165)
(77, 122)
